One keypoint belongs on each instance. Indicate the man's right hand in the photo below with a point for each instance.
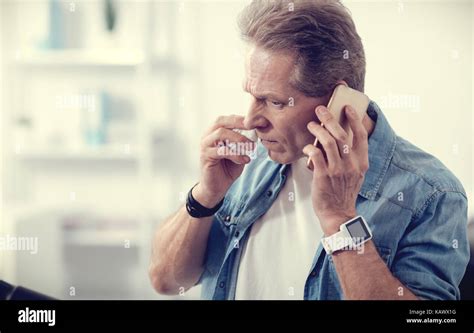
(219, 167)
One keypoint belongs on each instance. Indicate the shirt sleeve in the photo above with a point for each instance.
(433, 254)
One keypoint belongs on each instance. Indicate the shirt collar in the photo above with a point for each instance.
(382, 143)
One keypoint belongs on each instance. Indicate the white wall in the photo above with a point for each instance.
(423, 50)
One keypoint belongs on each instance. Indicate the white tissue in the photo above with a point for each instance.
(249, 134)
(252, 136)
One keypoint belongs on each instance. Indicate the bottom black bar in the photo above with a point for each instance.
(452, 316)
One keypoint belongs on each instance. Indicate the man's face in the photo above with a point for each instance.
(278, 112)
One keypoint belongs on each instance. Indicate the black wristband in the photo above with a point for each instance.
(195, 209)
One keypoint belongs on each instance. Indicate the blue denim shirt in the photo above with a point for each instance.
(415, 207)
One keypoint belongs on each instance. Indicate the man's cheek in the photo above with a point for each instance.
(302, 138)
(294, 142)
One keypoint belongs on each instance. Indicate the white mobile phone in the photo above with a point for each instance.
(342, 96)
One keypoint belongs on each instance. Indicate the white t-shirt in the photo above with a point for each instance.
(277, 257)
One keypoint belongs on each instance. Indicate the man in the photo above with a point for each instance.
(253, 229)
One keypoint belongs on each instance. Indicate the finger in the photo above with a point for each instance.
(231, 121)
(220, 153)
(327, 141)
(360, 135)
(226, 136)
(332, 125)
(316, 156)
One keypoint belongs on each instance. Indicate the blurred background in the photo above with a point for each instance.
(103, 103)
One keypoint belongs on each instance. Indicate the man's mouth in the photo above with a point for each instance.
(266, 139)
(268, 143)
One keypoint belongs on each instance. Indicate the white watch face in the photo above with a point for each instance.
(358, 231)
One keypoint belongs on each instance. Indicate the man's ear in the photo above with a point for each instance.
(342, 82)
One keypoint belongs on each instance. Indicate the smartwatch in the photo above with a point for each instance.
(351, 236)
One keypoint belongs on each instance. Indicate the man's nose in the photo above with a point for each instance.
(254, 118)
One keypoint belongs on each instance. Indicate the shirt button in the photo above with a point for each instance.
(227, 218)
(237, 234)
(222, 284)
(269, 193)
(313, 274)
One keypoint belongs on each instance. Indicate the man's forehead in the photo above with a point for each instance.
(268, 71)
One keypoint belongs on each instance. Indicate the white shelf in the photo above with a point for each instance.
(80, 57)
(102, 153)
(108, 238)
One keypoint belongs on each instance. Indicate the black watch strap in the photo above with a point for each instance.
(195, 209)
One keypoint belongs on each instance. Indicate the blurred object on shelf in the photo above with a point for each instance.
(121, 125)
(110, 14)
(94, 118)
(75, 121)
(65, 26)
(22, 132)
(55, 37)
(112, 37)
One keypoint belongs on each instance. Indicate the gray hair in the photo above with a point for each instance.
(319, 33)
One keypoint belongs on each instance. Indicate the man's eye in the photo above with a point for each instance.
(276, 104)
